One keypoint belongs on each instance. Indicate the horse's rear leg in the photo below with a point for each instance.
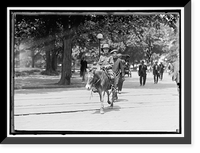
(101, 100)
(112, 97)
(108, 95)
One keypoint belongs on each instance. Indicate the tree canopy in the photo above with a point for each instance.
(138, 34)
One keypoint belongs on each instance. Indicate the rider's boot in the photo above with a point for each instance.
(94, 90)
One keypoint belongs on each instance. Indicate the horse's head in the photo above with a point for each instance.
(91, 79)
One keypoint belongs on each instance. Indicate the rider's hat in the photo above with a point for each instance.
(105, 46)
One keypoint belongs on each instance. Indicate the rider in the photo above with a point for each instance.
(106, 61)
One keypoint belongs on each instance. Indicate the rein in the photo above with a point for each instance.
(96, 81)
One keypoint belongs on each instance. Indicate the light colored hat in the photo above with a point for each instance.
(106, 46)
(119, 55)
(114, 50)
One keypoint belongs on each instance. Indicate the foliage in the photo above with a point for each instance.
(141, 35)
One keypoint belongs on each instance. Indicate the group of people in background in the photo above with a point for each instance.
(118, 64)
(158, 70)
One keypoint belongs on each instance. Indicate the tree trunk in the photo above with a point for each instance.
(54, 61)
(66, 63)
(49, 69)
(33, 59)
(48, 60)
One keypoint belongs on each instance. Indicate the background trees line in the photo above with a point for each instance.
(60, 38)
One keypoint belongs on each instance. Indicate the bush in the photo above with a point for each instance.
(49, 73)
(26, 71)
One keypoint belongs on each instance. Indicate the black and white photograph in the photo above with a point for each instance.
(96, 72)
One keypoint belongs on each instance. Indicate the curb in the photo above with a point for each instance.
(50, 86)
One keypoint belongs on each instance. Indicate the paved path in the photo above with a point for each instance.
(154, 107)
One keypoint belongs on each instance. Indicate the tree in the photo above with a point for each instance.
(124, 32)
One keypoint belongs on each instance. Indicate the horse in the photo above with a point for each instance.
(99, 79)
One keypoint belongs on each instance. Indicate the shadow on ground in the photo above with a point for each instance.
(47, 90)
(108, 109)
(120, 100)
(149, 85)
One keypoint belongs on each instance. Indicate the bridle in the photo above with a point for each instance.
(94, 83)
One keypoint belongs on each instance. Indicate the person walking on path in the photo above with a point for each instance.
(176, 74)
(122, 78)
(118, 69)
(142, 73)
(169, 68)
(83, 68)
(156, 70)
(162, 68)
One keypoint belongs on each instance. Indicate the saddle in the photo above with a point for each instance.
(109, 73)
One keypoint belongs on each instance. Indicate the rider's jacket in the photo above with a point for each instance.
(108, 62)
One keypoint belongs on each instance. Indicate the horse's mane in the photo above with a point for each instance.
(100, 74)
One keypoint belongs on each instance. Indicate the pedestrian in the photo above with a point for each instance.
(169, 67)
(162, 68)
(83, 68)
(156, 70)
(142, 73)
(122, 78)
(118, 69)
(176, 74)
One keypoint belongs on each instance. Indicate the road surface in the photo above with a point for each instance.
(153, 107)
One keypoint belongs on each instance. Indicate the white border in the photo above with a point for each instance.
(98, 9)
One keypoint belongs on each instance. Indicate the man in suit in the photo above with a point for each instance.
(118, 68)
(121, 78)
(156, 70)
(162, 68)
(83, 68)
(142, 73)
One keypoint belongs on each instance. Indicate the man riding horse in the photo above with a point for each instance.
(106, 62)
(101, 77)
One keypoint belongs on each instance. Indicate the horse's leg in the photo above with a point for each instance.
(108, 95)
(110, 102)
(113, 97)
(101, 100)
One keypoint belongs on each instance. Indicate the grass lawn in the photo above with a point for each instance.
(31, 77)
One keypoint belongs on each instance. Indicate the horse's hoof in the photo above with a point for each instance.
(101, 111)
(111, 105)
(109, 102)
